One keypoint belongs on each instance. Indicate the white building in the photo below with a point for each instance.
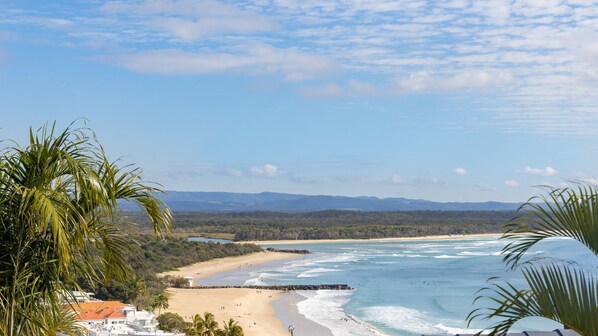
(114, 318)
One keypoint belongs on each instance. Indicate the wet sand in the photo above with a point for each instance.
(287, 313)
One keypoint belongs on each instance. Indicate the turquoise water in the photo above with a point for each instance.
(402, 288)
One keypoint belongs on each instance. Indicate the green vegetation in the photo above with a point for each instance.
(58, 202)
(205, 325)
(562, 291)
(172, 322)
(160, 302)
(231, 328)
(332, 224)
(150, 256)
(168, 254)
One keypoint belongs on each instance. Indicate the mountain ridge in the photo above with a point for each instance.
(284, 202)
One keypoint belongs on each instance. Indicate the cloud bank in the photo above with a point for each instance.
(530, 66)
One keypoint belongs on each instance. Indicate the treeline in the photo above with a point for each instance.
(165, 255)
(334, 224)
(151, 256)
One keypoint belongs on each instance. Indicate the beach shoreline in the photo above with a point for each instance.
(397, 239)
(287, 311)
(205, 269)
(253, 309)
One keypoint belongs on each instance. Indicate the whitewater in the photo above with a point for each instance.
(402, 288)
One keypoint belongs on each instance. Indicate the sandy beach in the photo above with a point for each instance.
(209, 268)
(251, 308)
(316, 241)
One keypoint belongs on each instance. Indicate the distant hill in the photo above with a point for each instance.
(269, 201)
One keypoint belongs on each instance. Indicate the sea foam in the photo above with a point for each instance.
(312, 273)
(478, 254)
(411, 320)
(325, 307)
(444, 256)
(260, 279)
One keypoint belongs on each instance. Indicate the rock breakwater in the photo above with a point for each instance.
(270, 249)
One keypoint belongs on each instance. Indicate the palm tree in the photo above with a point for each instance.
(160, 302)
(231, 328)
(58, 207)
(206, 325)
(561, 291)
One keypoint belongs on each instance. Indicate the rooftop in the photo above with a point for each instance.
(99, 310)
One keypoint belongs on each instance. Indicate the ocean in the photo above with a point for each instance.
(402, 288)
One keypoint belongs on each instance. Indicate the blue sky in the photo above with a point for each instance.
(448, 100)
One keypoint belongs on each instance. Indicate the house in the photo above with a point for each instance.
(114, 318)
(101, 313)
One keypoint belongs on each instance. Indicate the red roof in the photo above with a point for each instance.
(99, 310)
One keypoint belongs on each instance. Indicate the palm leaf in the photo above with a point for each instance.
(58, 207)
(562, 293)
(569, 212)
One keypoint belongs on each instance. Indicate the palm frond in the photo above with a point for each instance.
(568, 212)
(58, 205)
(562, 293)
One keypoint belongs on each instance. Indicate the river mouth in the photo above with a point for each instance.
(209, 240)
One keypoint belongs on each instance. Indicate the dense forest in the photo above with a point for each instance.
(151, 256)
(331, 224)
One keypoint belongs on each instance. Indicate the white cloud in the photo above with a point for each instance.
(415, 82)
(191, 20)
(425, 81)
(189, 30)
(426, 181)
(481, 186)
(397, 179)
(235, 172)
(546, 171)
(591, 180)
(257, 59)
(537, 58)
(512, 183)
(460, 171)
(353, 88)
(267, 170)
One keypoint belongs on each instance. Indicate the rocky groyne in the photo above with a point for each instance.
(270, 249)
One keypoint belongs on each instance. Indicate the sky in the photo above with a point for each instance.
(447, 100)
